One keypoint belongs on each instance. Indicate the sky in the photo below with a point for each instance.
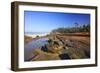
(36, 21)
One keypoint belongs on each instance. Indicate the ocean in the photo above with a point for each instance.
(34, 34)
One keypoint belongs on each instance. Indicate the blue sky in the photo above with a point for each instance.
(35, 21)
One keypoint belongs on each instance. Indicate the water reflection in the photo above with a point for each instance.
(34, 44)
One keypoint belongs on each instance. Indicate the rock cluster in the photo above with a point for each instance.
(58, 48)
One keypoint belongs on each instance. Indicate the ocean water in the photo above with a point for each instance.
(34, 34)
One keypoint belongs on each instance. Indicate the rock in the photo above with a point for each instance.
(50, 41)
(69, 43)
(37, 36)
(64, 56)
(44, 48)
(41, 56)
(56, 43)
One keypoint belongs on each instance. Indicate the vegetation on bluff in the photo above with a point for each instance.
(76, 28)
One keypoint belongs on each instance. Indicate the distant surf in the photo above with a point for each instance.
(34, 34)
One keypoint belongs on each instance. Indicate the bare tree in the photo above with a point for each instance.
(76, 26)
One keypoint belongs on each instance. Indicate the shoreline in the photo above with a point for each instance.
(75, 47)
(36, 35)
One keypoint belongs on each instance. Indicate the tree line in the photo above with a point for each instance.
(76, 28)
